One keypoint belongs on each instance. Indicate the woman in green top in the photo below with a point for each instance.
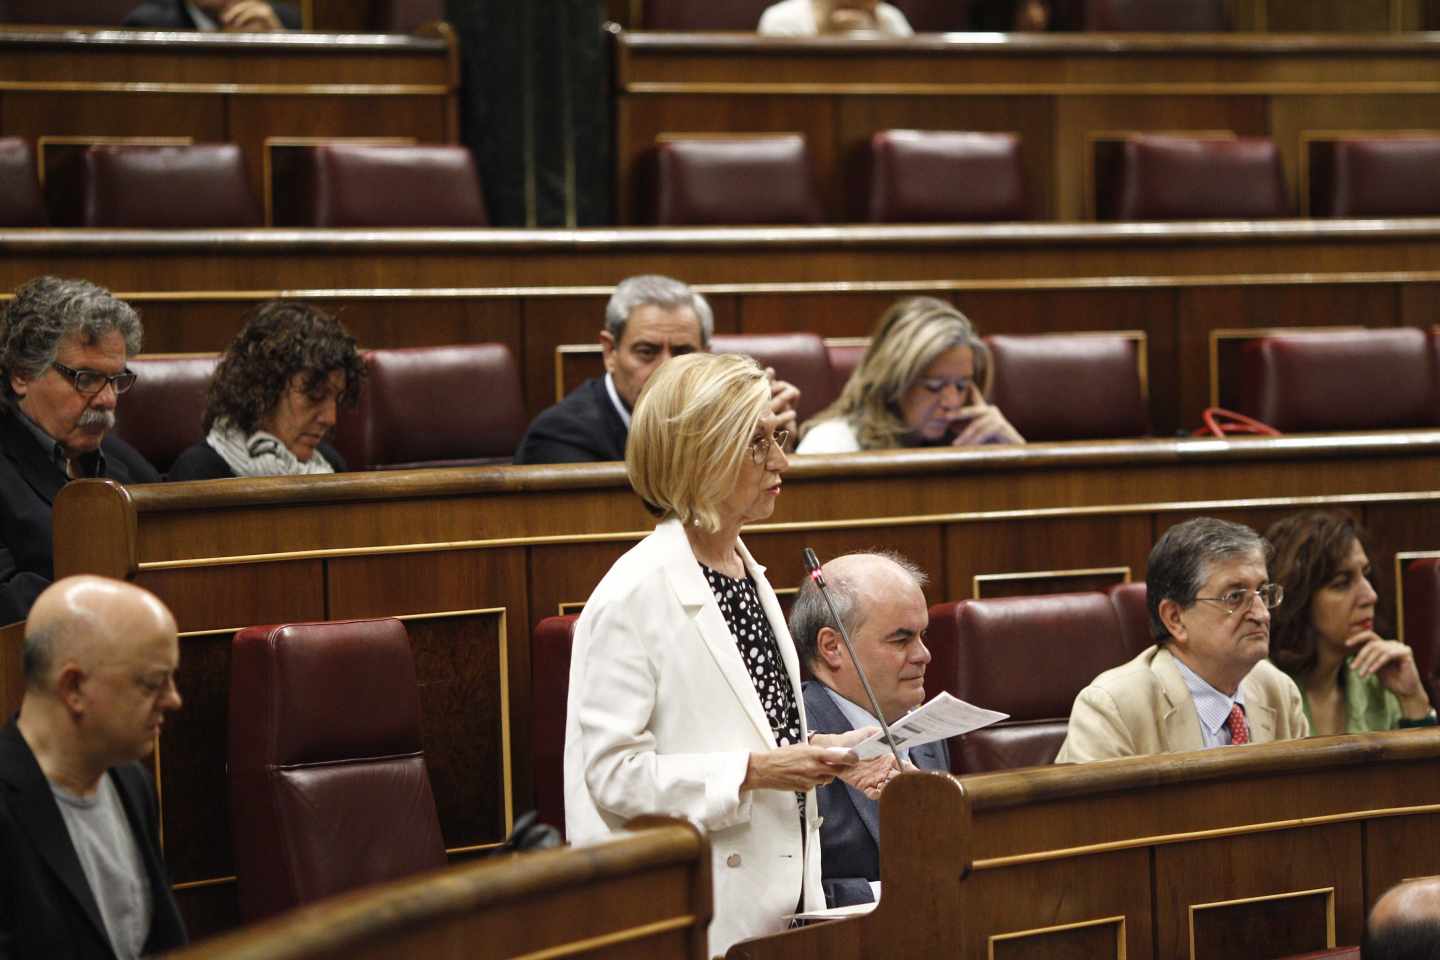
(1351, 679)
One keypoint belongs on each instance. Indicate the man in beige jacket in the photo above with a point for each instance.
(1206, 682)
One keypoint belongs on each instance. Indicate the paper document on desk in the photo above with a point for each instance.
(944, 716)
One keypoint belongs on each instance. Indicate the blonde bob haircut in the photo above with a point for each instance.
(691, 432)
(910, 336)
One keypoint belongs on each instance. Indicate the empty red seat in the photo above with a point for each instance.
(1420, 583)
(1154, 177)
(1160, 16)
(1346, 380)
(919, 176)
(1028, 657)
(1375, 177)
(368, 185)
(1071, 386)
(435, 407)
(733, 180)
(162, 413)
(20, 202)
(171, 187)
(699, 15)
(549, 695)
(799, 358)
(328, 785)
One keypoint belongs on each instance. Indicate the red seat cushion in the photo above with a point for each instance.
(20, 202)
(364, 185)
(1421, 583)
(799, 358)
(550, 693)
(919, 176)
(162, 413)
(734, 180)
(1186, 178)
(1161, 16)
(1070, 387)
(179, 187)
(700, 15)
(1375, 177)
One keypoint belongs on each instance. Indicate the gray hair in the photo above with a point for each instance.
(47, 310)
(633, 293)
(811, 614)
(1181, 560)
(37, 653)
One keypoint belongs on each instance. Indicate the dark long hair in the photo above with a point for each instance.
(1308, 550)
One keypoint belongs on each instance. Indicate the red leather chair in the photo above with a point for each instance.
(919, 176)
(1158, 16)
(1346, 380)
(1421, 584)
(434, 407)
(162, 413)
(844, 358)
(1128, 599)
(77, 13)
(799, 358)
(1070, 387)
(1335, 953)
(549, 695)
(1026, 656)
(1375, 177)
(700, 15)
(368, 185)
(733, 180)
(328, 785)
(1155, 177)
(176, 187)
(936, 16)
(20, 202)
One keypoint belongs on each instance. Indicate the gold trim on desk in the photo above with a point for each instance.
(977, 581)
(1061, 928)
(1047, 88)
(230, 89)
(1329, 893)
(590, 944)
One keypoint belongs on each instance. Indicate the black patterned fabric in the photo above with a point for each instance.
(740, 605)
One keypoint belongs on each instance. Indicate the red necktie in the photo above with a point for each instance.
(1239, 733)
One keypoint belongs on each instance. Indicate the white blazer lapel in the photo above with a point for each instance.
(695, 596)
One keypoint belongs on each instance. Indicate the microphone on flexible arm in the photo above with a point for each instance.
(812, 567)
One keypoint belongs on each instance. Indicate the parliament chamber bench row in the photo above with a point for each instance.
(470, 559)
(379, 16)
(157, 183)
(422, 406)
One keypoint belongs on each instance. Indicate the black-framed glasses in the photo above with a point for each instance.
(91, 382)
(1270, 594)
(760, 449)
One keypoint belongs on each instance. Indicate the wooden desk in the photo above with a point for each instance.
(536, 290)
(234, 88)
(1058, 92)
(1257, 851)
(642, 893)
(473, 558)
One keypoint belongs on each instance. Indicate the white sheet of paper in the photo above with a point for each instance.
(943, 717)
(835, 913)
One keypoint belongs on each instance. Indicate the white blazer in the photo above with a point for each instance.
(662, 717)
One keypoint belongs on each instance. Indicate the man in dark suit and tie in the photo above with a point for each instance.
(880, 598)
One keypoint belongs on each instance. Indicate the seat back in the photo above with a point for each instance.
(1156, 177)
(1169, 16)
(844, 358)
(1420, 583)
(76, 13)
(732, 180)
(389, 185)
(1128, 599)
(936, 16)
(549, 695)
(921, 176)
(1071, 386)
(167, 187)
(799, 358)
(435, 407)
(1375, 177)
(405, 16)
(1341, 380)
(1026, 656)
(700, 15)
(328, 785)
(162, 413)
(21, 204)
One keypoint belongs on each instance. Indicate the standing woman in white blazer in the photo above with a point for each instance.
(684, 683)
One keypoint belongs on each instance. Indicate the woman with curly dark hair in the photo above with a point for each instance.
(1351, 679)
(274, 397)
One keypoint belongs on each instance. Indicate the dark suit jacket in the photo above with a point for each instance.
(172, 15)
(46, 906)
(583, 428)
(850, 835)
(29, 481)
(201, 462)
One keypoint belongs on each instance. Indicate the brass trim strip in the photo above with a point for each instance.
(231, 89)
(1165, 839)
(201, 884)
(1043, 89)
(859, 523)
(1329, 893)
(980, 579)
(567, 607)
(590, 944)
(1061, 928)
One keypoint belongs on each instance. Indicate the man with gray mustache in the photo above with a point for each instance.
(64, 346)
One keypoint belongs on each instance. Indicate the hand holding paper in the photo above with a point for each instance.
(943, 717)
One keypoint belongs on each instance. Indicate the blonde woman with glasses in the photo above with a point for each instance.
(684, 683)
(922, 383)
